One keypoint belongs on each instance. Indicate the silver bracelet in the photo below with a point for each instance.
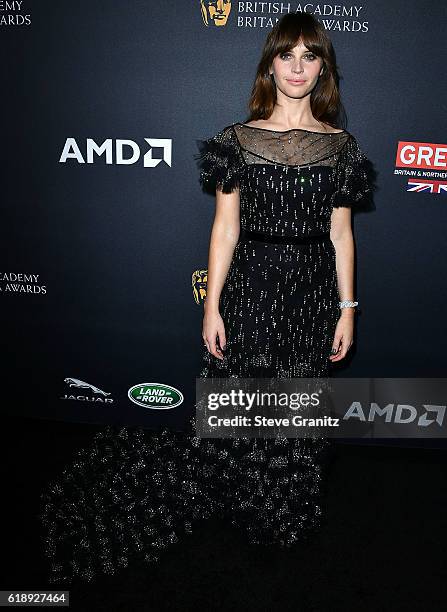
(347, 304)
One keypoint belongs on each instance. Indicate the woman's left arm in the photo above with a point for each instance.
(343, 241)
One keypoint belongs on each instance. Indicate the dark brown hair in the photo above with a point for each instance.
(325, 99)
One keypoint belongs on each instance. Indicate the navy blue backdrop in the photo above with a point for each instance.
(98, 254)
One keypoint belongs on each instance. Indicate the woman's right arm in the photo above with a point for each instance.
(223, 241)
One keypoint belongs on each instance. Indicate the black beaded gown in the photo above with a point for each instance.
(133, 493)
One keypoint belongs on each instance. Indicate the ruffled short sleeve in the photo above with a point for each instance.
(220, 161)
(352, 183)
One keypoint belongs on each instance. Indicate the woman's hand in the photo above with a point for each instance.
(213, 326)
(344, 333)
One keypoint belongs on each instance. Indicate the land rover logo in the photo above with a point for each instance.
(155, 395)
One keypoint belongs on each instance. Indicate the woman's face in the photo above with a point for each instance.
(296, 72)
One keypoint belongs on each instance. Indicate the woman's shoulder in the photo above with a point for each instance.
(226, 133)
(220, 161)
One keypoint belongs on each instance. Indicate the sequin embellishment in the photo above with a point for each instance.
(133, 493)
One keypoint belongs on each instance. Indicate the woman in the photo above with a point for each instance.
(279, 303)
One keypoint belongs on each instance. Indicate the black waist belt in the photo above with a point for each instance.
(249, 235)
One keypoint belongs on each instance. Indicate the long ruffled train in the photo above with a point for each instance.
(133, 493)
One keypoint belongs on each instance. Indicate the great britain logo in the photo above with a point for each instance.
(425, 166)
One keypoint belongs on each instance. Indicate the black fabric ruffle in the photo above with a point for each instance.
(353, 177)
(220, 162)
(133, 493)
(129, 495)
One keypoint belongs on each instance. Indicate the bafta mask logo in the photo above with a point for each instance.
(199, 279)
(215, 12)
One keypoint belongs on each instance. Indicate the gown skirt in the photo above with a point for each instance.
(134, 492)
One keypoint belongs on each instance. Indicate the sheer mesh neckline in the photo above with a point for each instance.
(287, 131)
(294, 148)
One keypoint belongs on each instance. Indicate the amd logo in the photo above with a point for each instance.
(397, 413)
(114, 151)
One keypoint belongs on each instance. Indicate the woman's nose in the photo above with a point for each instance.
(297, 67)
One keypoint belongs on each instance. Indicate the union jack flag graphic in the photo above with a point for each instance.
(418, 185)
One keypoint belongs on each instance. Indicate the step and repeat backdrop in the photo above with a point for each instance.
(105, 229)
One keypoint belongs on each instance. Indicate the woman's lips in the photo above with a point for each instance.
(296, 82)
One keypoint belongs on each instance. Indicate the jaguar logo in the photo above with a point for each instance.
(80, 384)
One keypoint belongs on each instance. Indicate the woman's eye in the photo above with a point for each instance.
(308, 56)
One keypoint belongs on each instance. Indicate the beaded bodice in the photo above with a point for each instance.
(290, 181)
